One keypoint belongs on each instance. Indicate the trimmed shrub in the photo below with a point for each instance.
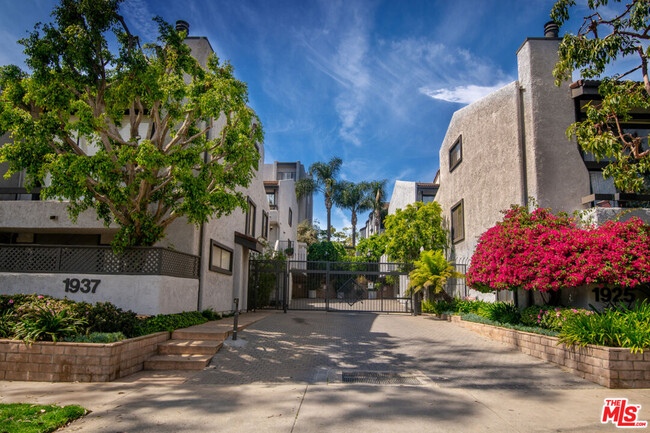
(170, 322)
(97, 337)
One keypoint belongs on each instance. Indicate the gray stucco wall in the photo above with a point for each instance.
(488, 178)
(557, 176)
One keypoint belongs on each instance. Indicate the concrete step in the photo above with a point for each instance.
(177, 362)
(212, 335)
(190, 347)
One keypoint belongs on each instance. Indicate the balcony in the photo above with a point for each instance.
(97, 260)
(607, 207)
(618, 200)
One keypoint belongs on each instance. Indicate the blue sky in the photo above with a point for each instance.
(374, 82)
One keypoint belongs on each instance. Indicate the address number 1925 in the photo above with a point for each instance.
(74, 285)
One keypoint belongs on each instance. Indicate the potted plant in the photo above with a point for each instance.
(289, 251)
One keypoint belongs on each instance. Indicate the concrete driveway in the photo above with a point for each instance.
(287, 378)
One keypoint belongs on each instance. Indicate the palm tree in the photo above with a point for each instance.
(354, 197)
(376, 200)
(323, 180)
(431, 273)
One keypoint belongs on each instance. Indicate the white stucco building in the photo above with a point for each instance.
(216, 252)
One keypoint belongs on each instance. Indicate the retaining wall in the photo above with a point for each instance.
(76, 362)
(613, 367)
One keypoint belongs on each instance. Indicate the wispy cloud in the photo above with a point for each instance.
(138, 15)
(343, 219)
(461, 94)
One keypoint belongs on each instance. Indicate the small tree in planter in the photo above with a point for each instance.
(431, 273)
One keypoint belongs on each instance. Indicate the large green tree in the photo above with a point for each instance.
(142, 134)
(323, 179)
(415, 228)
(613, 35)
(353, 197)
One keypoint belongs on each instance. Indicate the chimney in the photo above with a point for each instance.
(183, 26)
(551, 30)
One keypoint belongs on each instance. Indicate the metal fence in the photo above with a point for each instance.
(97, 260)
(328, 286)
(457, 287)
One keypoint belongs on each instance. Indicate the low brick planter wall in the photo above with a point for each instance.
(76, 362)
(613, 367)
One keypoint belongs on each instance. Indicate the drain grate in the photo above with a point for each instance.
(380, 378)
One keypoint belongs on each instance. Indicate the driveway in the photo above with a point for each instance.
(307, 347)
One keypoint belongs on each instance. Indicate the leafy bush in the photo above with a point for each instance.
(550, 317)
(326, 251)
(210, 314)
(502, 312)
(48, 324)
(619, 327)
(105, 317)
(170, 322)
(541, 251)
(97, 337)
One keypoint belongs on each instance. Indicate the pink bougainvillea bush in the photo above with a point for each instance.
(541, 251)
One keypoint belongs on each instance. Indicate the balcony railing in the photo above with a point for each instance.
(97, 260)
(617, 200)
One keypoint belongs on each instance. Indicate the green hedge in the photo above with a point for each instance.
(43, 318)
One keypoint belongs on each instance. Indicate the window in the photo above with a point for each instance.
(456, 154)
(427, 198)
(287, 176)
(220, 258)
(290, 216)
(265, 225)
(458, 222)
(250, 218)
(270, 196)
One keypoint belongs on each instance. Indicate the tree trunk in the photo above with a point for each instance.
(328, 205)
(354, 229)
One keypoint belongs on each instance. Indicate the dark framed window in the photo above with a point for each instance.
(456, 154)
(250, 218)
(265, 224)
(458, 222)
(290, 217)
(270, 196)
(220, 258)
(427, 198)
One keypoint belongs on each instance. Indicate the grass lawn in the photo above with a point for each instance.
(33, 418)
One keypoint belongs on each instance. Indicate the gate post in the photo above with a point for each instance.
(286, 288)
(327, 286)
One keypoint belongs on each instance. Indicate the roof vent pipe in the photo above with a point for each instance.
(183, 26)
(551, 30)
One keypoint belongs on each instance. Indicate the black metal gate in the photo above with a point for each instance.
(328, 286)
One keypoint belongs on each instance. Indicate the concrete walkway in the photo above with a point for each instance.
(278, 382)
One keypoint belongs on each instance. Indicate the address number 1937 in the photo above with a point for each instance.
(74, 285)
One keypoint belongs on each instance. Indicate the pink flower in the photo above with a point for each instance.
(11, 301)
(40, 296)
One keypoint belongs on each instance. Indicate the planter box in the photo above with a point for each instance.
(612, 367)
(76, 362)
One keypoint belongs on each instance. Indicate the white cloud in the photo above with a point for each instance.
(140, 19)
(461, 94)
(343, 219)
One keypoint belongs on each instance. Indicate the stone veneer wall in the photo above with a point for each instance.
(76, 362)
(613, 367)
